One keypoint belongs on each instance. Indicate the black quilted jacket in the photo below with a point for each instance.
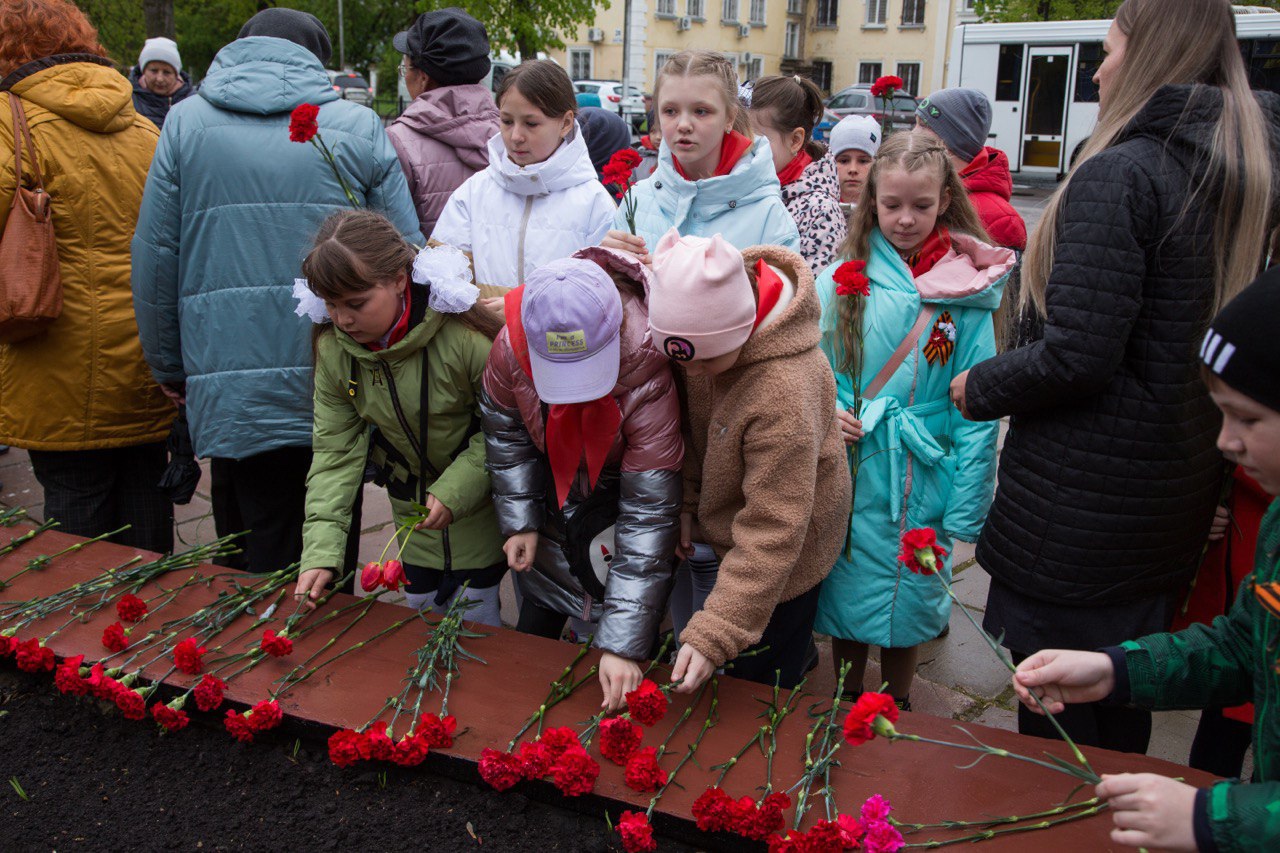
(1109, 475)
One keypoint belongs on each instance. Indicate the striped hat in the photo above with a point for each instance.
(1241, 348)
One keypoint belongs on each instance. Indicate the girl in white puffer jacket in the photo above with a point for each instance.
(539, 199)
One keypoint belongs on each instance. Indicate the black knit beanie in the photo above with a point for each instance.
(448, 45)
(1240, 347)
(298, 27)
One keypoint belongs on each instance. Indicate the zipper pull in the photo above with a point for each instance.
(351, 387)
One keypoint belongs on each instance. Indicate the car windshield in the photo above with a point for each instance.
(590, 88)
(904, 102)
(351, 82)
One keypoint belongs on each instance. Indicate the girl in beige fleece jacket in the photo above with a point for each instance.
(766, 478)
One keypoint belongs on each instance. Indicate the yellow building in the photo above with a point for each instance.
(835, 42)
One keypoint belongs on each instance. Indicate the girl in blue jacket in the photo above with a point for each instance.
(915, 281)
(712, 178)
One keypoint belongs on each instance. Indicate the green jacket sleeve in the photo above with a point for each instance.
(464, 486)
(1245, 818)
(1199, 667)
(340, 444)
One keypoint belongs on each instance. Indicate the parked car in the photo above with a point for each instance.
(858, 100)
(608, 94)
(351, 87)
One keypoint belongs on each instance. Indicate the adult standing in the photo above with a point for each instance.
(230, 210)
(1109, 475)
(443, 136)
(158, 79)
(78, 396)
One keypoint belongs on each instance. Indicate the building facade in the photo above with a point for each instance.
(834, 42)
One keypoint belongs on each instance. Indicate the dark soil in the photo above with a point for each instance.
(95, 781)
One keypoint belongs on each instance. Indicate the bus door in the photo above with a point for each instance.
(1044, 116)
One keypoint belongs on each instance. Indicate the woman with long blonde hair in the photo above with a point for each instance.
(1109, 476)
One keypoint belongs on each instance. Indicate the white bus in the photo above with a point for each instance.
(1039, 77)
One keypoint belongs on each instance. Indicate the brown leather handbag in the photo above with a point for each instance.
(30, 282)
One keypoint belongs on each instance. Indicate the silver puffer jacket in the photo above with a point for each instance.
(645, 460)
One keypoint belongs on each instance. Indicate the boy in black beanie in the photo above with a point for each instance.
(1232, 661)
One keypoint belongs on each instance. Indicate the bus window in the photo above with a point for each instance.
(1263, 62)
(1009, 73)
(1088, 58)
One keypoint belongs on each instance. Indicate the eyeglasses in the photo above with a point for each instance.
(403, 69)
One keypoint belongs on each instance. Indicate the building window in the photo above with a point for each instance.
(828, 11)
(877, 11)
(913, 13)
(869, 72)
(795, 7)
(822, 74)
(666, 8)
(660, 58)
(580, 63)
(755, 68)
(758, 12)
(697, 9)
(910, 74)
(1009, 73)
(729, 11)
(970, 5)
(791, 40)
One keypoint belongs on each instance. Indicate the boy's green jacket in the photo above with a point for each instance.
(356, 387)
(1228, 663)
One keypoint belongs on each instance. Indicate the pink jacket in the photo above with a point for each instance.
(442, 139)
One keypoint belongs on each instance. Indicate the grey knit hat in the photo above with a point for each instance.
(960, 117)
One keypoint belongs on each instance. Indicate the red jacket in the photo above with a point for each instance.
(990, 187)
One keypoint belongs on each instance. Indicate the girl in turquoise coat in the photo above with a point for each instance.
(916, 282)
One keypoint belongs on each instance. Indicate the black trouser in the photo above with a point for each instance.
(266, 495)
(1220, 744)
(1090, 723)
(788, 638)
(92, 492)
(540, 621)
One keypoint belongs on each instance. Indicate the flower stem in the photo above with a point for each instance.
(707, 725)
(967, 824)
(988, 834)
(559, 690)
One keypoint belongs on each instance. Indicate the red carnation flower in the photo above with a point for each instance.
(67, 677)
(100, 685)
(850, 830)
(876, 808)
(437, 731)
(575, 773)
(378, 744)
(500, 770)
(768, 817)
(851, 280)
(794, 841)
(637, 834)
(882, 837)
(131, 703)
(130, 608)
(647, 703)
(187, 656)
(32, 656)
(859, 724)
(915, 541)
(713, 810)
(239, 727)
(825, 837)
(393, 576)
(265, 715)
(410, 751)
(172, 719)
(302, 123)
(277, 645)
(643, 773)
(371, 576)
(7, 646)
(344, 747)
(208, 692)
(560, 740)
(619, 739)
(885, 86)
(114, 638)
(535, 759)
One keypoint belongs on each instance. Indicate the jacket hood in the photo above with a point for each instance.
(87, 94)
(970, 275)
(265, 76)
(423, 325)
(818, 177)
(568, 166)
(461, 117)
(752, 178)
(640, 358)
(990, 174)
(796, 329)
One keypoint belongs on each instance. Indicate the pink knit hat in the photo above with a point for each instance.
(701, 305)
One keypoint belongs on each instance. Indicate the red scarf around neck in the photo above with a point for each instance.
(932, 250)
(792, 171)
(574, 431)
(732, 147)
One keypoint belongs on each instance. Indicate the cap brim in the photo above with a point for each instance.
(581, 381)
(400, 41)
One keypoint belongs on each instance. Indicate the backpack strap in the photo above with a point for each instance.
(908, 343)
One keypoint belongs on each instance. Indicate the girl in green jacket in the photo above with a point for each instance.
(400, 351)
